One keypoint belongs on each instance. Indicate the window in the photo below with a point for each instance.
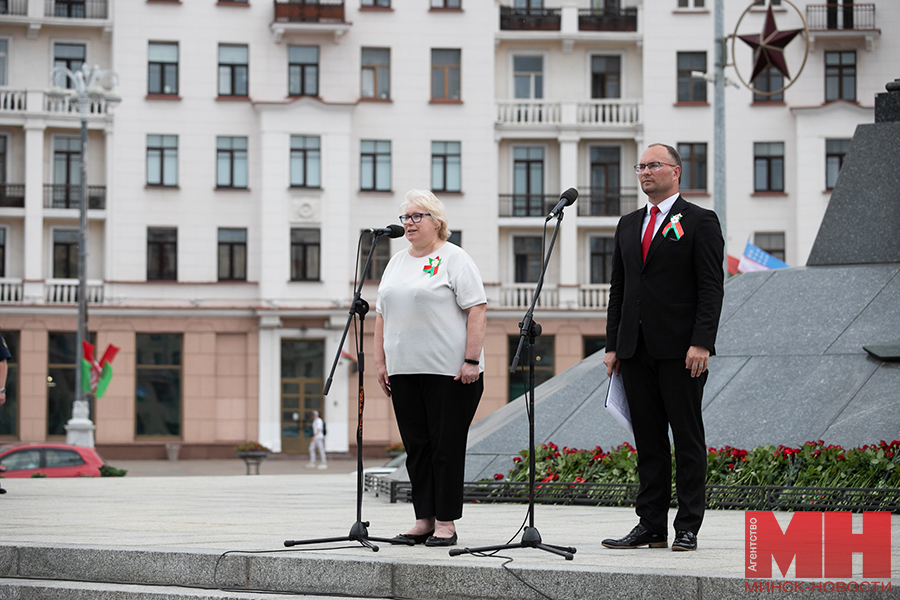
(601, 259)
(4, 57)
(70, 56)
(605, 198)
(66, 172)
(61, 380)
(378, 3)
(446, 3)
(693, 166)
(528, 182)
(446, 159)
(375, 165)
(773, 243)
(527, 259)
(162, 160)
(305, 251)
(231, 162)
(768, 166)
(158, 384)
(65, 253)
(162, 254)
(455, 238)
(303, 70)
(376, 73)
(768, 81)
(9, 416)
(543, 363)
(445, 78)
(2, 253)
(306, 161)
(762, 3)
(69, 8)
(840, 75)
(232, 254)
(380, 257)
(690, 4)
(3, 192)
(690, 89)
(592, 344)
(162, 68)
(606, 76)
(835, 151)
(528, 77)
(233, 70)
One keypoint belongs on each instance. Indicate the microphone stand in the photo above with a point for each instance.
(531, 537)
(359, 530)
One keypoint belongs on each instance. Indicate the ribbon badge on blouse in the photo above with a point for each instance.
(432, 267)
(675, 226)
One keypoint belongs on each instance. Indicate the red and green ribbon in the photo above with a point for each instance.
(432, 267)
(675, 226)
(96, 375)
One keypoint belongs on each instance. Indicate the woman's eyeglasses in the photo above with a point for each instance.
(415, 217)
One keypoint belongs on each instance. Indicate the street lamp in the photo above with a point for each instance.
(91, 87)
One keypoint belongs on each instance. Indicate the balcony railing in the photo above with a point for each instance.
(76, 9)
(612, 112)
(824, 17)
(309, 11)
(10, 291)
(593, 296)
(623, 19)
(14, 7)
(65, 291)
(70, 105)
(66, 195)
(526, 205)
(530, 19)
(606, 202)
(12, 195)
(13, 100)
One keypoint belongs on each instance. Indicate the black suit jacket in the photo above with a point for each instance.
(675, 297)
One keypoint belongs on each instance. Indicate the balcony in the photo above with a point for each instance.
(843, 22)
(623, 19)
(309, 16)
(67, 195)
(17, 8)
(530, 19)
(65, 291)
(10, 291)
(614, 114)
(606, 202)
(526, 205)
(77, 9)
(585, 296)
(12, 195)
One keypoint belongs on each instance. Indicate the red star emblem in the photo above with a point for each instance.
(769, 46)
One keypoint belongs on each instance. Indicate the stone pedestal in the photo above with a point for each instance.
(80, 428)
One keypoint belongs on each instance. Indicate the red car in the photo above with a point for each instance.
(53, 460)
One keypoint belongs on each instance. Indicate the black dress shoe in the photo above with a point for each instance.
(684, 541)
(639, 536)
(439, 541)
(411, 539)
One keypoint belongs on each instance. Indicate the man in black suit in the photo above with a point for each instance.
(664, 303)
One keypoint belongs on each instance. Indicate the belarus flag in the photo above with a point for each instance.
(757, 259)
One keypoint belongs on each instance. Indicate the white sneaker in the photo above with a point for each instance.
(311, 465)
(323, 466)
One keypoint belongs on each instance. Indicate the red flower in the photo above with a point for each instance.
(556, 455)
(498, 476)
(517, 459)
(840, 457)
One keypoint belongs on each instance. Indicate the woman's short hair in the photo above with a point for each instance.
(430, 203)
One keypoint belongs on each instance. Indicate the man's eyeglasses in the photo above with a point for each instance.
(653, 166)
(415, 217)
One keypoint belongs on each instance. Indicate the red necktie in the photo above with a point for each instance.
(648, 234)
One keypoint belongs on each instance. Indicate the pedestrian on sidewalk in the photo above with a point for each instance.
(317, 443)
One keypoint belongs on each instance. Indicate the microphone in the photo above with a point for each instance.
(392, 231)
(567, 199)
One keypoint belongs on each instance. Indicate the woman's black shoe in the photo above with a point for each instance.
(439, 541)
(410, 539)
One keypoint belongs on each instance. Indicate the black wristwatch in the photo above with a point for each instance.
(470, 361)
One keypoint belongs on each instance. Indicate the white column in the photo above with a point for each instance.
(336, 409)
(34, 212)
(270, 382)
(567, 243)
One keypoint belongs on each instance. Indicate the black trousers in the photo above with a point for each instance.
(662, 393)
(434, 413)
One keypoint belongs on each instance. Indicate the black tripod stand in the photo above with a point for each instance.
(529, 330)
(359, 531)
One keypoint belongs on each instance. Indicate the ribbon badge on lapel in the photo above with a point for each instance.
(675, 226)
(432, 267)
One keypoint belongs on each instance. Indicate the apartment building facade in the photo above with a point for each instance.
(257, 141)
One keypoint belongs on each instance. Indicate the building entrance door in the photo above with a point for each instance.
(302, 383)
